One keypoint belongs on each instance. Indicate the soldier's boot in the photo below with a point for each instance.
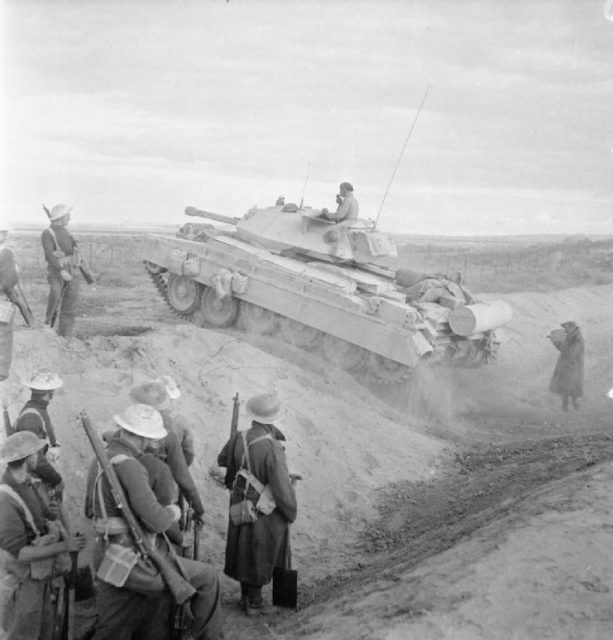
(260, 608)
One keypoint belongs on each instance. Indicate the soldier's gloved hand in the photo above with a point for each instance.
(174, 511)
(53, 454)
(66, 277)
(339, 199)
(199, 520)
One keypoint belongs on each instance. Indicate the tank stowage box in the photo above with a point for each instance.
(323, 285)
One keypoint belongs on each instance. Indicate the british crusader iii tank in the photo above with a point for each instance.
(322, 285)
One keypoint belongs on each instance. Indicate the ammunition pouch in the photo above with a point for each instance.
(243, 512)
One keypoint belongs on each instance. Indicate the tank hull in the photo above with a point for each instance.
(360, 308)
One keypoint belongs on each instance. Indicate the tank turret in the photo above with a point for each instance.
(301, 232)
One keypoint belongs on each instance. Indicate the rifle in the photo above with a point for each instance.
(83, 266)
(235, 410)
(233, 430)
(178, 585)
(8, 429)
(16, 295)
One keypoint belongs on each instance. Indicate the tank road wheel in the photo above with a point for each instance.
(218, 312)
(257, 319)
(345, 354)
(388, 370)
(298, 334)
(183, 294)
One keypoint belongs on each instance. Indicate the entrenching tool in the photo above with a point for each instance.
(285, 579)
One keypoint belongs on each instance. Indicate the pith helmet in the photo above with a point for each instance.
(59, 211)
(152, 393)
(20, 445)
(265, 408)
(346, 185)
(43, 380)
(142, 420)
(569, 324)
(171, 386)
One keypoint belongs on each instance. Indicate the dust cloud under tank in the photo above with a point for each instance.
(324, 286)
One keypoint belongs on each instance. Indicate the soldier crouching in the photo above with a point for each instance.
(139, 608)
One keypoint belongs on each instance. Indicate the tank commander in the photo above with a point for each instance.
(140, 607)
(348, 207)
(31, 542)
(59, 248)
(280, 201)
(35, 418)
(254, 548)
(567, 379)
(8, 279)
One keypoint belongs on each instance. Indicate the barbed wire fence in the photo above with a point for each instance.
(476, 265)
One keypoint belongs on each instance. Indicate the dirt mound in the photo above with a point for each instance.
(349, 440)
(343, 441)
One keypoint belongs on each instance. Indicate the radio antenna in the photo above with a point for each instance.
(423, 100)
(305, 185)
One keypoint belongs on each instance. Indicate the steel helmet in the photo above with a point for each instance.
(142, 420)
(59, 211)
(152, 393)
(171, 386)
(43, 380)
(20, 445)
(265, 408)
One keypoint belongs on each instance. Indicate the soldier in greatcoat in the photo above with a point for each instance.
(254, 549)
(567, 379)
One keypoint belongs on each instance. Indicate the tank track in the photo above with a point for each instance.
(160, 284)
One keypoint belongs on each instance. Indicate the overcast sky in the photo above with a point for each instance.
(132, 110)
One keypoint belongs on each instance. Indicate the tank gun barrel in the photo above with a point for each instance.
(219, 217)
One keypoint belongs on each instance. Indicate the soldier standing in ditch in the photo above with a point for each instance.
(139, 608)
(254, 548)
(169, 448)
(59, 248)
(567, 380)
(30, 542)
(35, 418)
